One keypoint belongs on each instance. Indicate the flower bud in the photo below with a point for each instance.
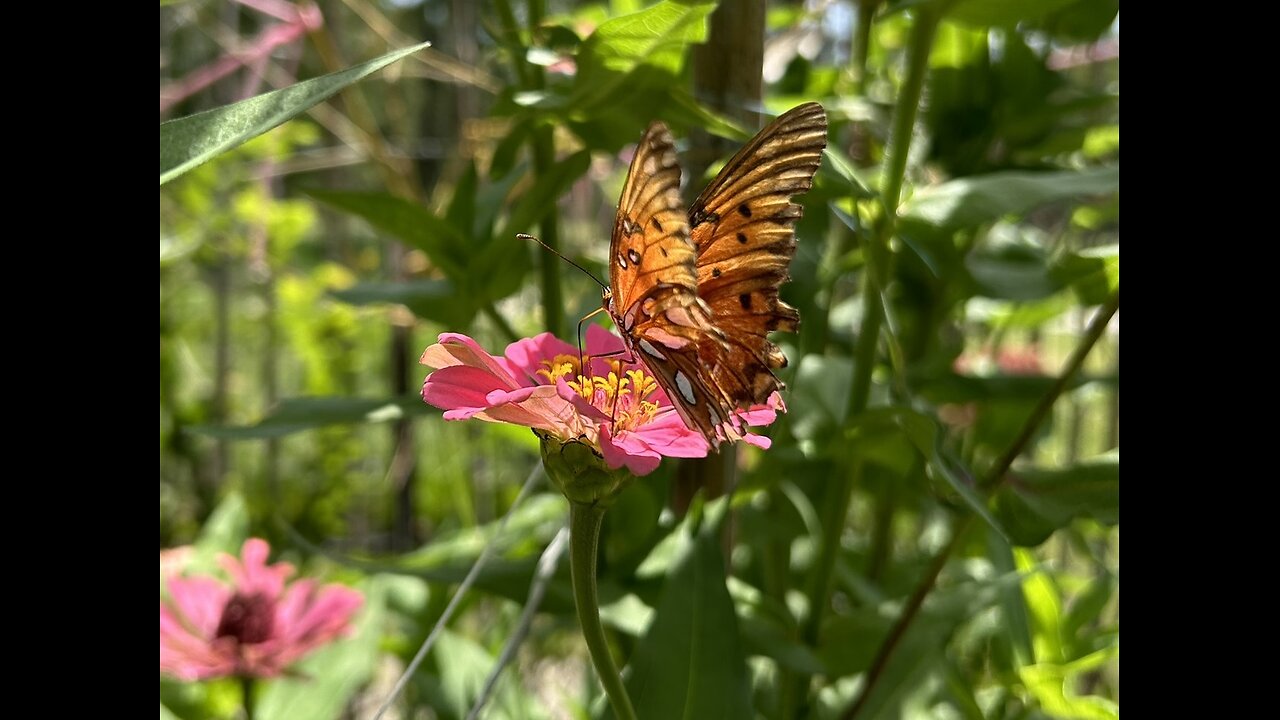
(580, 472)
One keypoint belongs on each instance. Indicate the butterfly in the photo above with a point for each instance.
(695, 294)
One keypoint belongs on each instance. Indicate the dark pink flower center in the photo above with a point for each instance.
(248, 618)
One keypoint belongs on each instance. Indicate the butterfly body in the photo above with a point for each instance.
(695, 294)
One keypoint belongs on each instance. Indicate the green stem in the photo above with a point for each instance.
(246, 696)
(511, 40)
(989, 482)
(879, 254)
(860, 46)
(544, 157)
(542, 145)
(584, 544)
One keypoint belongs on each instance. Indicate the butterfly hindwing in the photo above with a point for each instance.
(742, 226)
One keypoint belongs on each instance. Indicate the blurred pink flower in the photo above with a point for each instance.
(1024, 360)
(255, 627)
(617, 407)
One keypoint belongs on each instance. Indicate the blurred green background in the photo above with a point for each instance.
(935, 531)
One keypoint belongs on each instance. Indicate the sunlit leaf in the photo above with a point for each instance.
(432, 299)
(1052, 685)
(1000, 13)
(691, 663)
(443, 243)
(1034, 503)
(1093, 273)
(657, 36)
(972, 201)
(192, 140)
(305, 413)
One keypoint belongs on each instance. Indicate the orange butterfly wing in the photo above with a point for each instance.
(742, 225)
(697, 304)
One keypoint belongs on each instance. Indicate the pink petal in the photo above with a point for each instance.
(466, 392)
(602, 342)
(525, 356)
(502, 397)
(758, 415)
(668, 435)
(253, 575)
(454, 349)
(759, 441)
(579, 403)
(461, 388)
(198, 602)
(637, 457)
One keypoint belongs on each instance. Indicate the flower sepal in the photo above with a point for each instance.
(580, 472)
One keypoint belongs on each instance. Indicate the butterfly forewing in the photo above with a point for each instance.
(696, 297)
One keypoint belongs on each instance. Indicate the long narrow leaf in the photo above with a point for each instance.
(196, 139)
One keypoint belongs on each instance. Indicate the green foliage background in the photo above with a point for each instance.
(915, 544)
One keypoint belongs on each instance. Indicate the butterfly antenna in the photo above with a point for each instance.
(526, 236)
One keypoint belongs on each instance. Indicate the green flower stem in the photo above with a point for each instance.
(246, 696)
(584, 544)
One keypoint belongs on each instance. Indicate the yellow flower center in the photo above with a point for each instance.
(621, 395)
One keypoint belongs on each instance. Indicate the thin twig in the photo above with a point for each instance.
(547, 565)
(456, 600)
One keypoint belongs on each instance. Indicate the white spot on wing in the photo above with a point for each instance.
(648, 347)
(685, 387)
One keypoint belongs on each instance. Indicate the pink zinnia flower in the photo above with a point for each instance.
(616, 407)
(255, 627)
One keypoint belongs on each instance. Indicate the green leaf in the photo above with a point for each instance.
(819, 395)
(327, 679)
(1093, 273)
(1051, 684)
(1044, 607)
(224, 532)
(545, 193)
(973, 201)
(848, 642)
(445, 244)
(871, 434)
(656, 36)
(304, 413)
(1001, 13)
(1009, 267)
(1035, 503)
(691, 663)
(195, 139)
(431, 299)
(629, 55)
(462, 666)
(450, 556)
